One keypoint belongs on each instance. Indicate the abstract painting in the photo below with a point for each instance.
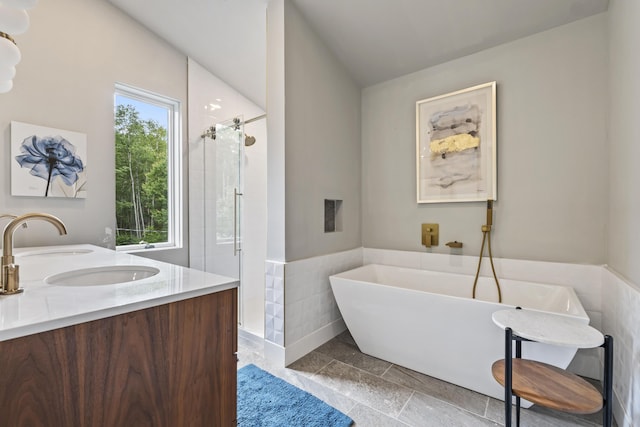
(48, 162)
(456, 146)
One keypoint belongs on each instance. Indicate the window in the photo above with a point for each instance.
(148, 178)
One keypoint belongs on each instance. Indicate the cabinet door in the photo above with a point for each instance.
(203, 372)
(171, 365)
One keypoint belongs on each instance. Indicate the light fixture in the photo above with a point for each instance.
(13, 20)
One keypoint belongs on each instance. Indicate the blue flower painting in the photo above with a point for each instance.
(55, 165)
(49, 157)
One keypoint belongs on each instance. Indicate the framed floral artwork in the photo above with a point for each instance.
(48, 162)
(456, 146)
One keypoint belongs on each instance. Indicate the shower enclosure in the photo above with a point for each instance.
(216, 245)
(227, 189)
(227, 172)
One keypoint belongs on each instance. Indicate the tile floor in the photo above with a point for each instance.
(378, 393)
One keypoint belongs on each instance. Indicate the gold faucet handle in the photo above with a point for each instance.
(430, 235)
(11, 279)
(426, 237)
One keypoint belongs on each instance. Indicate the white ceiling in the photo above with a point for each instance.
(227, 37)
(376, 40)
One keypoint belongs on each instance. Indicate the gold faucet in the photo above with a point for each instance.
(10, 216)
(3, 216)
(10, 278)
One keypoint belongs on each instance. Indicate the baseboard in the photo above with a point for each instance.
(619, 414)
(312, 341)
(248, 335)
(587, 363)
(274, 353)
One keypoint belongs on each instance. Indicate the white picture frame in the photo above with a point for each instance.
(48, 162)
(456, 146)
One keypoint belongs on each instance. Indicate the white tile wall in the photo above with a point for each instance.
(274, 309)
(298, 296)
(585, 279)
(310, 304)
(390, 257)
(621, 320)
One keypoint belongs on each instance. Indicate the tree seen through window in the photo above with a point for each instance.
(142, 184)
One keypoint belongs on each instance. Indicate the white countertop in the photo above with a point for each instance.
(548, 328)
(42, 307)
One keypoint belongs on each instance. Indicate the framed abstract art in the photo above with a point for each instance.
(456, 146)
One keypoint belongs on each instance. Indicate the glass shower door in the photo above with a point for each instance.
(223, 200)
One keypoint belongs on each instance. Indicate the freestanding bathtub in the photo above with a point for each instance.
(428, 322)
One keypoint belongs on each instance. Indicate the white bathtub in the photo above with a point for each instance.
(428, 322)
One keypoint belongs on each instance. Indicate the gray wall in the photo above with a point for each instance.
(621, 307)
(276, 131)
(72, 55)
(624, 139)
(320, 147)
(552, 152)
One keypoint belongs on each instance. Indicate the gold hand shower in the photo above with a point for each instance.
(486, 235)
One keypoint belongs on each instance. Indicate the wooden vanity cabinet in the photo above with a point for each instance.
(171, 365)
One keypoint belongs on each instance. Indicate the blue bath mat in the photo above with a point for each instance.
(268, 401)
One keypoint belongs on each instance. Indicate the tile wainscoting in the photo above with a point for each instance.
(274, 302)
(621, 320)
(301, 312)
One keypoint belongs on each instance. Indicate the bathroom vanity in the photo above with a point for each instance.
(152, 350)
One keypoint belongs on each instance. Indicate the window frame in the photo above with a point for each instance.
(175, 200)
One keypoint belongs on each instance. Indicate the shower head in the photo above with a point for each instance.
(249, 140)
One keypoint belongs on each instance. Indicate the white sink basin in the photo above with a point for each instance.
(102, 275)
(56, 252)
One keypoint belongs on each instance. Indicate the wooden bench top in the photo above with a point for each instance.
(549, 386)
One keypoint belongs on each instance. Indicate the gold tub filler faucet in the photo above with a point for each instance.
(486, 236)
(10, 278)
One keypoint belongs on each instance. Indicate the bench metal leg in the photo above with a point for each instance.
(518, 356)
(508, 366)
(607, 382)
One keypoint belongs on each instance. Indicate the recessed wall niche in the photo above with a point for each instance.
(332, 215)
